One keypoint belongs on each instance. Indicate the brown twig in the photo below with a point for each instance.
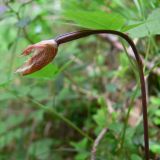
(96, 143)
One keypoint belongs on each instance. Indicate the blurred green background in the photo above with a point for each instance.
(57, 113)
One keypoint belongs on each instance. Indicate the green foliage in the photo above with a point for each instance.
(47, 72)
(80, 147)
(155, 148)
(135, 157)
(40, 149)
(96, 20)
(150, 26)
(59, 111)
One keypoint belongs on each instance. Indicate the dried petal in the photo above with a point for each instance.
(44, 53)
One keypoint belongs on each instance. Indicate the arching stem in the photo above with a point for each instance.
(80, 34)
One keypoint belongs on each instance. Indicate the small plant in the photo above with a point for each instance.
(45, 51)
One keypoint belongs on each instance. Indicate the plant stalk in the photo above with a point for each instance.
(84, 33)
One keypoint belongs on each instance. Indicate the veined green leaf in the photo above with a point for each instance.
(96, 20)
(149, 27)
(129, 27)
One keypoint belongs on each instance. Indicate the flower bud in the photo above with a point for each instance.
(43, 53)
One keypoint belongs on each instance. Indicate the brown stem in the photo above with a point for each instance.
(96, 143)
(80, 34)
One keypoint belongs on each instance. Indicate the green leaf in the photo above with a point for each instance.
(155, 148)
(11, 121)
(41, 148)
(135, 157)
(116, 127)
(150, 27)
(47, 72)
(157, 113)
(96, 20)
(155, 101)
(100, 117)
(80, 145)
(8, 137)
(82, 156)
(156, 121)
(81, 149)
(5, 83)
(129, 27)
(7, 96)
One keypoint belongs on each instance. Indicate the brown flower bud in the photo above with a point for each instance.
(43, 53)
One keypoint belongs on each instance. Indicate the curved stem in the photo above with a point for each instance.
(80, 34)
